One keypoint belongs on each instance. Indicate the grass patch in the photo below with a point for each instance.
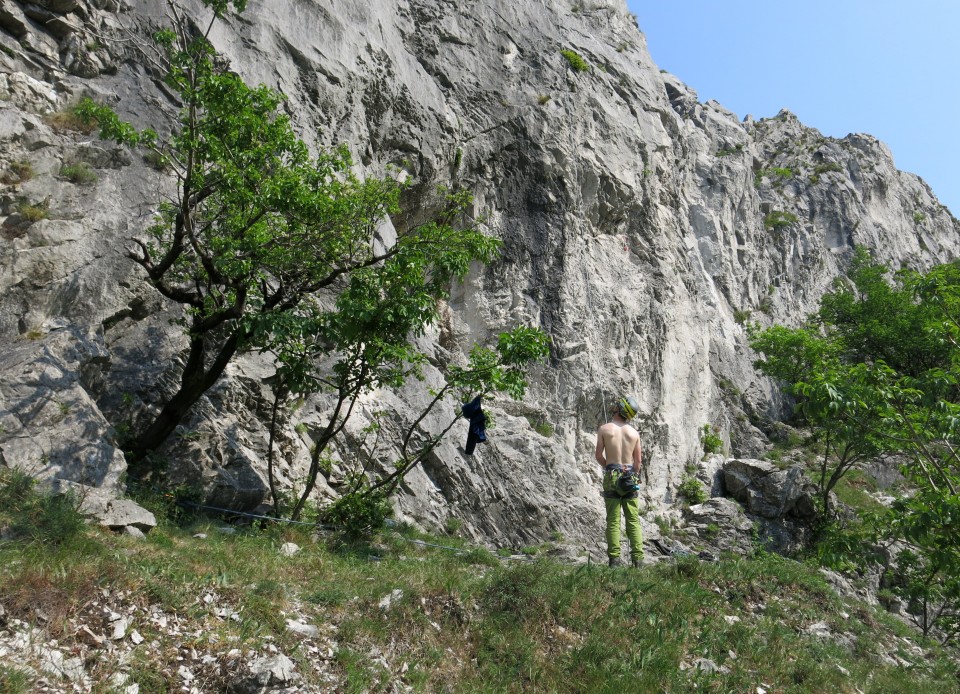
(17, 172)
(69, 121)
(395, 610)
(14, 681)
(81, 174)
(33, 212)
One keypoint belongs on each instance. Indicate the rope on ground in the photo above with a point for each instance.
(243, 514)
(231, 512)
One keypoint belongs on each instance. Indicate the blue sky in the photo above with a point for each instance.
(890, 68)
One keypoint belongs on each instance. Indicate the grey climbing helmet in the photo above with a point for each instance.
(628, 407)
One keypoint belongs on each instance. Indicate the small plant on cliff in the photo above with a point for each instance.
(576, 61)
(33, 211)
(711, 442)
(81, 173)
(692, 491)
(17, 172)
(69, 120)
(779, 219)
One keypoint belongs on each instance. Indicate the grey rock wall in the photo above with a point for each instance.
(641, 228)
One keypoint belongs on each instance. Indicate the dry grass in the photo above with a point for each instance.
(67, 121)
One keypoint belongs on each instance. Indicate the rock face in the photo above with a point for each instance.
(641, 228)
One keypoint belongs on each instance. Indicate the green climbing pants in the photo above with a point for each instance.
(631, 512)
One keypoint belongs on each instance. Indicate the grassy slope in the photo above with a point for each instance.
(400, 611)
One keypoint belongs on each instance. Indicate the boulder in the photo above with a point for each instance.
(722, 524)
(123, 513)
(767, 491)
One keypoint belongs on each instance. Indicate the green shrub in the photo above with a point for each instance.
(453, 525)
(541, 426)
(727, 151)
(358, 514)
(711, 442)
(691, 489)
(543, 99)
(779, 219)
(779, 173)
(919, 217)
(577, 63)
(827, 166)
(156, 161)
(81, 173)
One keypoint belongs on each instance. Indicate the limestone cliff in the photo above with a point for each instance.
(641, 229)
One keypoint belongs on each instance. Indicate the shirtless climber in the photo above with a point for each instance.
(618, 450)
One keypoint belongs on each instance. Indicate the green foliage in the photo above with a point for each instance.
(692, 491)
(826, 167)
(81, 173)
(779, 174)
(542, 99)
(452, 525)
(358, 514)
(541, 426)
(14, 680)
(710, 441)
(919, 217)
(779, 219)
(32, 516)
(885, 378)
(575, 60)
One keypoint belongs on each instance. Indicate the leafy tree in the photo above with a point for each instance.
(269, 247)
(877, 370)
(875, 316)
(831, 396)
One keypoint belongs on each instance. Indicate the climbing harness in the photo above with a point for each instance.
(620, 483)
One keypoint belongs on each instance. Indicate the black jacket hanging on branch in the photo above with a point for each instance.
(476, 432)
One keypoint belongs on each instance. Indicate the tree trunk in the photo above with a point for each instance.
(194, 382)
